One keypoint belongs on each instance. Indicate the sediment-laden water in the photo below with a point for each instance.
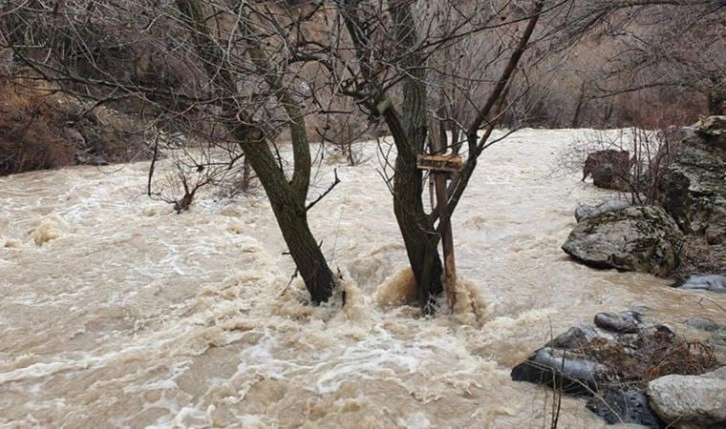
(116, 312)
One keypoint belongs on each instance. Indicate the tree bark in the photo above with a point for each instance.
(409, 133)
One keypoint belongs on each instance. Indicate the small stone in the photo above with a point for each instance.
(576, 338)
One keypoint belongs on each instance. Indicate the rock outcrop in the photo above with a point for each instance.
(641, 238)
(692, 193)
(694, 188)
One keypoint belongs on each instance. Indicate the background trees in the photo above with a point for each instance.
(646, 62)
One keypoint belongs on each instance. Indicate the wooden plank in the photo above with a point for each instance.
(446, 163)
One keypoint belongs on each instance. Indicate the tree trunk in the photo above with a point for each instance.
(418, 232)
(409, 133)
(288, 205)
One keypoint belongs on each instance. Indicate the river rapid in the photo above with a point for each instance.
(116, 312)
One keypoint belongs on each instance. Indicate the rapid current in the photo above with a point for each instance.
(117, 312)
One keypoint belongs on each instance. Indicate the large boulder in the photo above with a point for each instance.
(694, 187)
(690, 401)
(640, 238)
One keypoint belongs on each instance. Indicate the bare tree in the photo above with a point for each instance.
(393, 77)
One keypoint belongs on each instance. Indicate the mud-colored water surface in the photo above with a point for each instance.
(116, 312)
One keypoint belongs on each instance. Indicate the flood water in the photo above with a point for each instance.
(116, 312)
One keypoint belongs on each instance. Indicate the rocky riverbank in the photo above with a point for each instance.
(636, 370)
(683, 233)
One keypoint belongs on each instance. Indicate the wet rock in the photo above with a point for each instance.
(624, 406)
(690, 401)
(711, 282)
(576, 338)
(623, 322)
(585, 211)
(702, 323)
(574, 373)
(642, 238)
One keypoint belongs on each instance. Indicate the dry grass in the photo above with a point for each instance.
(28, 138)
(652, 356)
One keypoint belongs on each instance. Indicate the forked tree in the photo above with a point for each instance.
(235, 70)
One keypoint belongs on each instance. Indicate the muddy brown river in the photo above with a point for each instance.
(116, 312)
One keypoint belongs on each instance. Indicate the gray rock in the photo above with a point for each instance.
(623, 322)
(624, 406)
(641, 238)
(711, 282)
(702, 323)
(574, 373)
(584, 211)
(75, 138)
(690, 401)
(610, 169)
(575, 338)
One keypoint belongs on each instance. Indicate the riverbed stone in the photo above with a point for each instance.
(710, 282)
(624, 406)
(573, 373)
(690, 401)
(624, 322)
(640, 238)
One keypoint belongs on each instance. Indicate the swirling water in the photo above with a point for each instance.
(116, 312)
